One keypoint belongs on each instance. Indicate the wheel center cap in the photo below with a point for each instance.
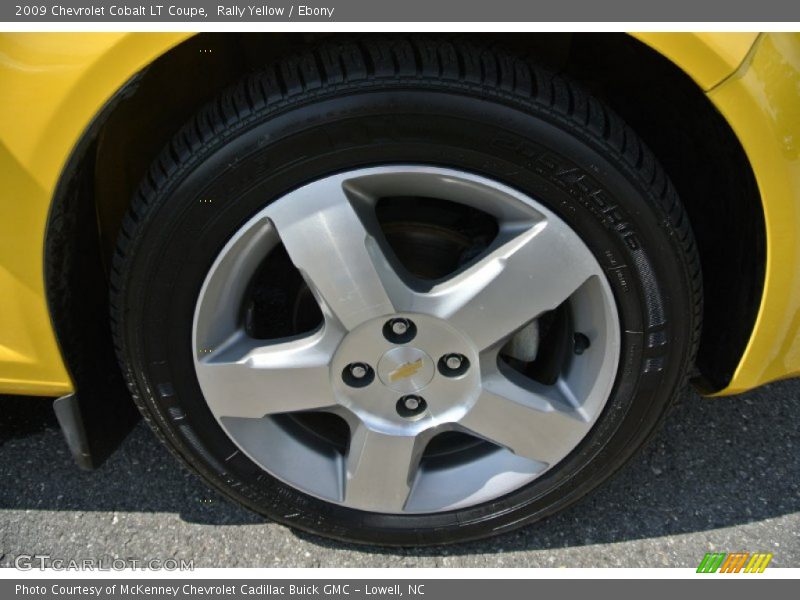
(406, 369)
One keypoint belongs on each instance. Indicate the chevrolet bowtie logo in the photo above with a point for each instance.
(406, 370)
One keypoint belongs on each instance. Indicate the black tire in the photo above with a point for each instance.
(405, 100)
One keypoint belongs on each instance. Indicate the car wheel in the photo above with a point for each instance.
(405, 291)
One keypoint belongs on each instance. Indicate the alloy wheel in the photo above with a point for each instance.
(403, 360)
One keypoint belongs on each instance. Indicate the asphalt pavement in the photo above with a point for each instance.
(723, 475)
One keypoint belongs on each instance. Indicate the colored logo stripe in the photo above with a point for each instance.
(711, 562)
(734, 562)
(758, 563)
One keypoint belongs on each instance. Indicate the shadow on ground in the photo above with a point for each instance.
(717, 463)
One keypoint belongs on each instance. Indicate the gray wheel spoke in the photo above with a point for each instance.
(248, 379)
(338, 257)
(218, 313)
(535, 422)
(380, 468)
(532, 272)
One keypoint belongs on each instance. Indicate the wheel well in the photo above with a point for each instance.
(693, 141)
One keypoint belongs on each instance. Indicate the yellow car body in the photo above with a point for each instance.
(55, 84)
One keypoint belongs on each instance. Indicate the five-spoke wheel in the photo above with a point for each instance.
(401, 359)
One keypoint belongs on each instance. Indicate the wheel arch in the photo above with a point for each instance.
(105, 165)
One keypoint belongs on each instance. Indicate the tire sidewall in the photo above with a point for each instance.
(524, 146)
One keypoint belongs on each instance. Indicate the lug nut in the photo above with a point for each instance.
(358, 371)
(358, 374)
(411, 406)
(411, 403)
(399, 330)
(453, 365)
(400, 326)
(453, 361)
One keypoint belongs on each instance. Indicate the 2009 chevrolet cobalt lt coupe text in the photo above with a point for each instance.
(396, 289)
